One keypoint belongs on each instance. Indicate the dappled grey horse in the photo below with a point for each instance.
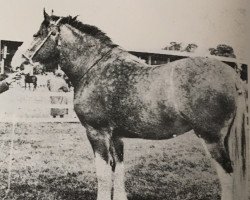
(116, 95)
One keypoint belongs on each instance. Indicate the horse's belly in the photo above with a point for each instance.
(163, 124)
(154, 132)
(152, 125)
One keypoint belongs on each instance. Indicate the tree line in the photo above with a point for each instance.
(220, 50)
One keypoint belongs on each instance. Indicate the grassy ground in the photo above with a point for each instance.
(54, 161)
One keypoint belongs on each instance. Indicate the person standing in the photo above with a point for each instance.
(6, 81)
(58, 84)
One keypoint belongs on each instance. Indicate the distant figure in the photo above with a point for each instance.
(58, 84)
(28, 79)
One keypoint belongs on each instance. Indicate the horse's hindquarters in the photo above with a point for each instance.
(205, 93)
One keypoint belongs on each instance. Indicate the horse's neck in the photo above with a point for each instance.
(79, 53)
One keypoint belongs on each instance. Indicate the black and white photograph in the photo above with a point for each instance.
(124, 100)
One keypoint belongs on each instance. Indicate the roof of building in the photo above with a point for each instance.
(187, 54)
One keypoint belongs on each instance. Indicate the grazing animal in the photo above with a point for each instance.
(116, 95)
(28, 79)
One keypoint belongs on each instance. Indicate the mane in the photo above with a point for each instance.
(85, 28)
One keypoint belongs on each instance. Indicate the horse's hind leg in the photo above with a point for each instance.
(226, 181)
(218, 153)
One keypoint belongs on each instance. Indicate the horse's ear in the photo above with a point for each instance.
(74, 18)
(46, 16)
(52, 12)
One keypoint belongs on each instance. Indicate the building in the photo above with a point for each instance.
(7, 50)
(165, 56)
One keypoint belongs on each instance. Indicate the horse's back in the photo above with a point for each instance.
(205, 92)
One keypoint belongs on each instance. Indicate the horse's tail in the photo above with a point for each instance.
(238, 149)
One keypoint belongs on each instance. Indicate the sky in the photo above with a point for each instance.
(139, 24)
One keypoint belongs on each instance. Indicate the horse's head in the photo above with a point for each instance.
(76, 45)
(43, 49)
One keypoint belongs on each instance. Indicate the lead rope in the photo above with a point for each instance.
(14, 122)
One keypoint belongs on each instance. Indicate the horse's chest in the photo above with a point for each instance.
(89, 105)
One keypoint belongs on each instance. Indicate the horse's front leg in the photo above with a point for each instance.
(100, 141)
(118, 168)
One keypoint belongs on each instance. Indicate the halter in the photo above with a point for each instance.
(40, 46)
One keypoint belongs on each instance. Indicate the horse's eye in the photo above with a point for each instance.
(53, 33)
(36, 35)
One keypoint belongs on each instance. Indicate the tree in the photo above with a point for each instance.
(174, 46)
(222, 50)
(190, 48)
(178, 46)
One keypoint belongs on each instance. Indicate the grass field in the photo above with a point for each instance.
(54, 161)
